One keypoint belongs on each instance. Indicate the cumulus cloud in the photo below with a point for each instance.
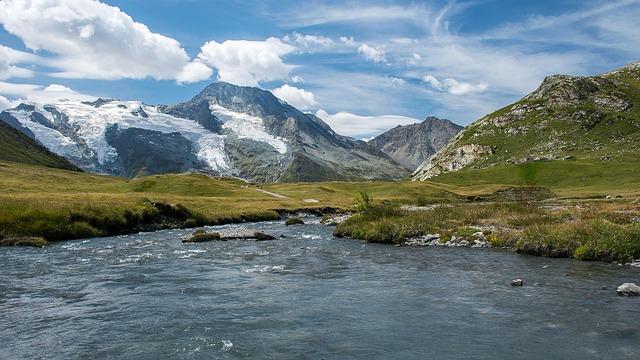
(362, 127)
(371, 53)
(299, 98)
(90, 39)
(41, 94)
(245, 62)
(454, 86)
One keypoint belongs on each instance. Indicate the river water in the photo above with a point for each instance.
(307, 296)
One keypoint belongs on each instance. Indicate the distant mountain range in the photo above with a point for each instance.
(410, 145)
(225, 130)
(590, 123)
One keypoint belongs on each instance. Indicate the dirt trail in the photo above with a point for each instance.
(275, 195)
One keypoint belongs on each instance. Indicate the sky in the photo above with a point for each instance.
(362, 66)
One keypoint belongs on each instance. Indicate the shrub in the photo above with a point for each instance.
(363, 202)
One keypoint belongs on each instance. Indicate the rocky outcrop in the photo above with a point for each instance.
(452, 159)
(565, 116)
(410, 145)
(229, 234)
(476, 240)
(628, 289)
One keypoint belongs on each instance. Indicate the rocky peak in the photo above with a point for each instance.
(410, 145)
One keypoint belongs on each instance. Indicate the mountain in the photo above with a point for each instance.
(18, 147)
(410, 145)
(225, 130)
(575, 124)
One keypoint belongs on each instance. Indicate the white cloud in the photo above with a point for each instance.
(57, 87)
(348, 40)
(316, 15)
(8, 58)
(299, 98)
(398, 81)
(362, 127)
(297, 79)
(308, 41)
(41, 94)
(5, 103)
(371, 53)
(93, 40)
(245, 62)
(453, 86)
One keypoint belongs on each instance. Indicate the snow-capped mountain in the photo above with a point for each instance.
(225, 130)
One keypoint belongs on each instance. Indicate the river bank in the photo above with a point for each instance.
(597, 230)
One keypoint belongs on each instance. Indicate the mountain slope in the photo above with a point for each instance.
(295, 146)
(18, 147)
(588, 124)
(225, 130)
(410, 145)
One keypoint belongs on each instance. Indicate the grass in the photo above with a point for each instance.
(20, 148)
(55, 204)
(59, 204)
(591, 231)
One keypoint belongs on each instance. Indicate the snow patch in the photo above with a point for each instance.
(52, 139)
(91, 123)
(245, 126)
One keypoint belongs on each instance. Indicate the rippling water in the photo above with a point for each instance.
(307, 296)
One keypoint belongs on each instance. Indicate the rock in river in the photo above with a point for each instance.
(628, 289)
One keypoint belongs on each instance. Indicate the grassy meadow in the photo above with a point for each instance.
(568, 217)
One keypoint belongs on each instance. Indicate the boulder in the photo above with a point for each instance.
(628, 289)
(202, 236)
(263, 237)
(293, 221)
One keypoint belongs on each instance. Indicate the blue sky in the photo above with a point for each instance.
(363, 66)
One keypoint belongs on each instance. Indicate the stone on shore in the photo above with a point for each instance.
(23, 241)
(628, 289)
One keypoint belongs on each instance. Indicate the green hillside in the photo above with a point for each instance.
(17, 147)
(579, 131)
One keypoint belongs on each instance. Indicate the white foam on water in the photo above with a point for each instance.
(226, 345)
(264, 268)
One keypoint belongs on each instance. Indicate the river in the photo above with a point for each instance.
(307, 296)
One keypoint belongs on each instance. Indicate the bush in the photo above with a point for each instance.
(363, 202)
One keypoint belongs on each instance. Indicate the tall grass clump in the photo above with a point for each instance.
(593, 239)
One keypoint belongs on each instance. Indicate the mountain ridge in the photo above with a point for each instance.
(224, 130)
(585, 119)
(411, 144)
